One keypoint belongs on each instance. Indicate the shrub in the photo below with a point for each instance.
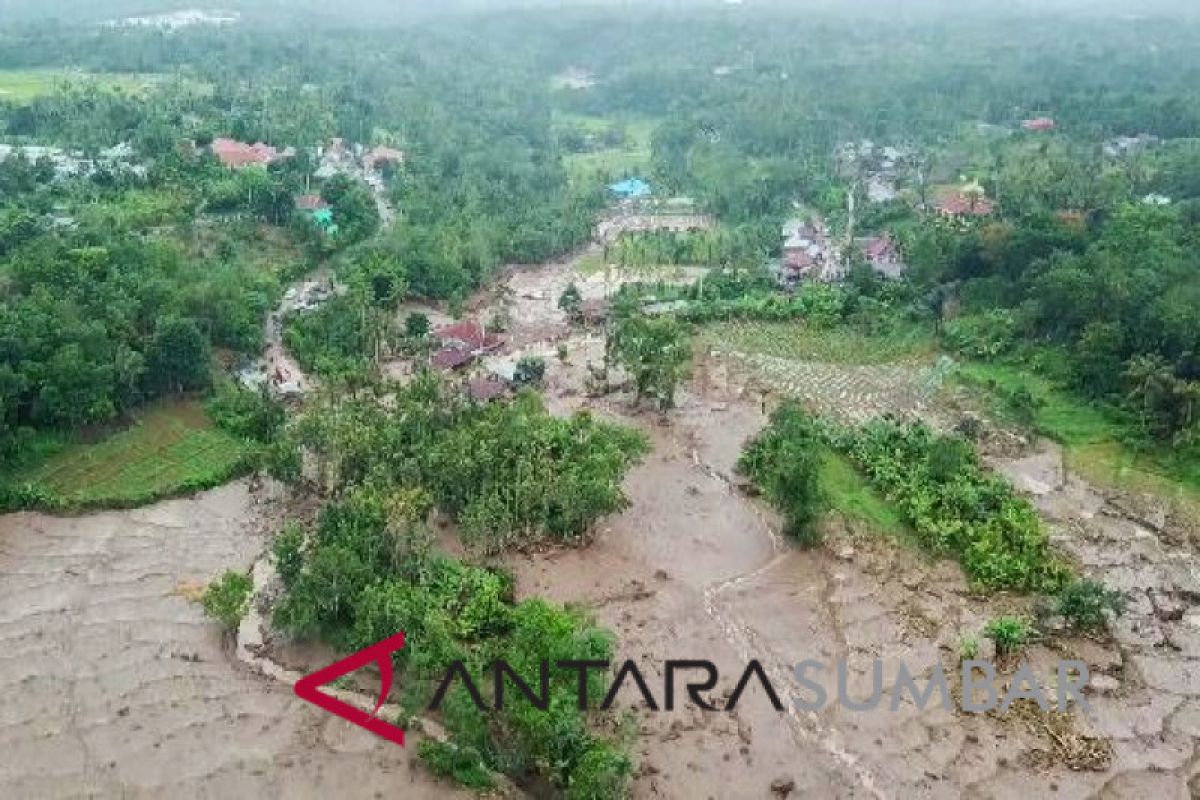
(1084, 603)
(571, 302)
(1010, 634)
(288, 552)
(463, 765)
(955, 506)
(246, 414)
(968, 648)
(982, 336)
(228, 599)
(601, 773)
(530, 370)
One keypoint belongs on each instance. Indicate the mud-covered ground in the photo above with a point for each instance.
(118, 686)
(695, 569)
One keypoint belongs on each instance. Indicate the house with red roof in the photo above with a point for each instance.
(1039, 124)
(883, 254)
(238, 155)
(462, 343)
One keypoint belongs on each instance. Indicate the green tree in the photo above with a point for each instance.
(228, 599)
(656, 352)
(530, 370)
(179, 358)
(570, 302)
(416, 325)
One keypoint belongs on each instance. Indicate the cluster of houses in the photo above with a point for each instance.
(338, 157)
(637, 210)
(810, 255)
(879, 166)
(75, 164)
(334, 159)
(174, 20)
(461, 345)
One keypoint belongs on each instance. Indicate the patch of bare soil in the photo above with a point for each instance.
(1149, 697)
(117, 686)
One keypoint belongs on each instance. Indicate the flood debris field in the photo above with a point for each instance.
(118, 686)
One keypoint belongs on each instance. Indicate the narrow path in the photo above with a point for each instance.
(283, 372)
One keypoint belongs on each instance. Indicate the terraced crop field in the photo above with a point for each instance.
(836, 346)
(171, 449)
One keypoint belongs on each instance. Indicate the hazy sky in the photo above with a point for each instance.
(399, 10)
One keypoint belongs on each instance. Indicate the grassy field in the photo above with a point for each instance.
(843, 345)
(850, 496)
(634, 157)
(24, 85)
(170, 449)
(1093, 438)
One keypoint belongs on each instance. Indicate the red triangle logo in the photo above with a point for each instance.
(308, 687)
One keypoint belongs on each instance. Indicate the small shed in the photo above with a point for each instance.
(631, 189)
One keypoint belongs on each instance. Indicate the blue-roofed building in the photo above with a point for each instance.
(631, 189)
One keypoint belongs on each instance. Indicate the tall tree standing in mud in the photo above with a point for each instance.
(656, 353)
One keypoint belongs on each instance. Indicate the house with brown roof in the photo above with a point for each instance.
(470, 335)
(965, 203)
(449, 359)
(381, 156)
